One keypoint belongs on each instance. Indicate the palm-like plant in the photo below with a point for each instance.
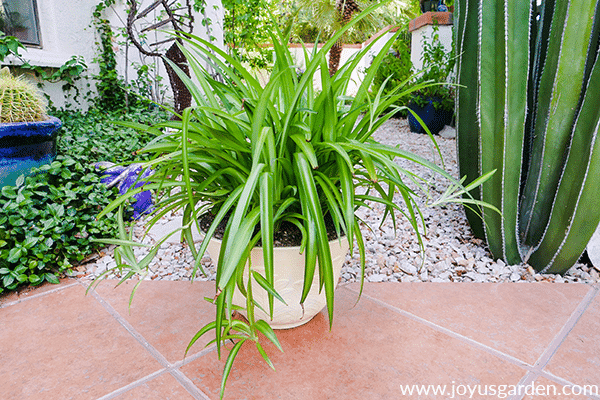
(345, 10)
(256, 157)
(329, 16)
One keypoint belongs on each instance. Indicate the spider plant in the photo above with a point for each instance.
(256, 157)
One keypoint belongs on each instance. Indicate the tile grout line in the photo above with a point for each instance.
(560, 337)
(183, 380)
(528, 378)
(35, 296)
(125, 324)
(563, 382)
(129, 386)
(533, 372)
(472, 342)
(194, 357)
(538, 368)
(188, 384)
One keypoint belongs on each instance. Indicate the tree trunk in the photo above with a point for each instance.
(346, 9)
(335, 55)
(181, 95)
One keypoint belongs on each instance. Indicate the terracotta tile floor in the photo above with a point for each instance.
(59, 343)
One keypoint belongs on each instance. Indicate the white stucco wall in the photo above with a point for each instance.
(426, 32)
(66, 31)
(348, 52)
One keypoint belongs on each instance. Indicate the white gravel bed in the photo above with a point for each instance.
(451, 253)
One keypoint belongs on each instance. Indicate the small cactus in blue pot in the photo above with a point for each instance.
(27, 133)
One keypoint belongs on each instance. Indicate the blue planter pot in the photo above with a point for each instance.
(434, 119)
(25, 145)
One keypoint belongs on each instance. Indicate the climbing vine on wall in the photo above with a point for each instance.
(68, 73)
(111, 88)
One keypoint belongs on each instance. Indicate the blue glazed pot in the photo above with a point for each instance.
(434, 119)
(25, 145)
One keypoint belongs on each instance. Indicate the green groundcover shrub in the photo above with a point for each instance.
(91, 137)
(47, 225)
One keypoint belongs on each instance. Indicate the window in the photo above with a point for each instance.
(19, 18)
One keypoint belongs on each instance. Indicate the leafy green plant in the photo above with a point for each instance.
(9, 45)
(68, 73)
(331, 16)
(245, 28)
(314, 20)
(116, 92)
(528, 107)
(47, 223)
(92, 136)
(438, 66)
(254, 158)
(112, 94)
(304, 32)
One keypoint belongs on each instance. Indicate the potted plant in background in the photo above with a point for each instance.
(27, 134)
(436, 6)
(256, 166)
(434, 104)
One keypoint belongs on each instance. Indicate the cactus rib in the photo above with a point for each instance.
(538, 81)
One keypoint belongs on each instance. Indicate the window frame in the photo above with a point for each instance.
(34, 22)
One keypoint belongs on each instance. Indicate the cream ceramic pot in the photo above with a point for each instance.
(288, 282)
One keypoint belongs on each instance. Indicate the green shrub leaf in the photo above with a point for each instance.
(14, 255)
(8, 280)
(51, 278)
(9, 192)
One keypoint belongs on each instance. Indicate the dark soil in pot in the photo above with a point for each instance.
(288, 234)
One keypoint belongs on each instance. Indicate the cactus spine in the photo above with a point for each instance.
(529, 110)
(19, 100)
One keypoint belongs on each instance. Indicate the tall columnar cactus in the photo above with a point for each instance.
(19, 100)
(528, 107)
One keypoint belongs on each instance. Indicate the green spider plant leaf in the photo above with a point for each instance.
(266, 330)
(316, 214)
(267, 223)
(228, 364)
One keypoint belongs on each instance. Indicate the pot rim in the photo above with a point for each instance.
(219, 241)
(51, 124)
